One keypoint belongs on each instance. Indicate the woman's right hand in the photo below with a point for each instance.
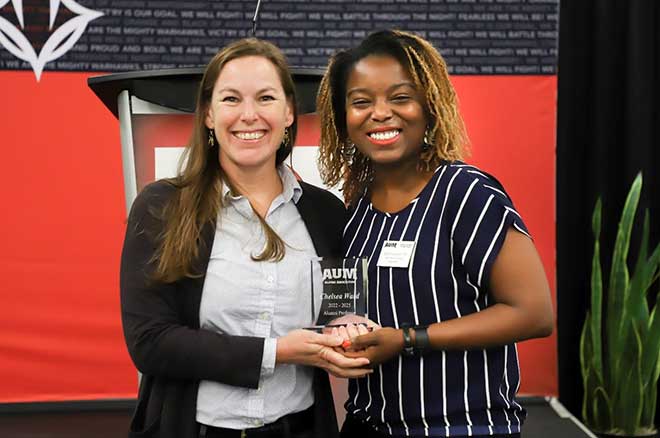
(305, 347)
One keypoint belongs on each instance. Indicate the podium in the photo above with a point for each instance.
(155, 111)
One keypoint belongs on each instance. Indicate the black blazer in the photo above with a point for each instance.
(161, 322)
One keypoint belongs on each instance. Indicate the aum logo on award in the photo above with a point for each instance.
(340, 274)
(60, 41)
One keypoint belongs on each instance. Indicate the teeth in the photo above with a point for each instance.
(385, 135)
(249, 135)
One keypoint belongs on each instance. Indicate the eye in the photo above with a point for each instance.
(360, 103)
(401, 98)
(266, 98)
(229, 99)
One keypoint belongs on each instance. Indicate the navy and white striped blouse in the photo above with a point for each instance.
(458, 222)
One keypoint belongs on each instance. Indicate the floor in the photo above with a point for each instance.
(112, 422)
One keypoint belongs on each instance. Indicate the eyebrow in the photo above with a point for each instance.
(234, 90)
(393, 87)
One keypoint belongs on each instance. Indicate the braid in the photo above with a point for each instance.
(330, 160)
(446, 129)
(334, 165)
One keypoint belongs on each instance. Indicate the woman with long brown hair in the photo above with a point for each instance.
(455, 279)
(213, 266)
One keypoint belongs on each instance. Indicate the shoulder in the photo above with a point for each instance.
(468, 179)
(321, 197)
(478, 197)
(152, 198)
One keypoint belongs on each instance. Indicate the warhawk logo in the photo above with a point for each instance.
(59, 42)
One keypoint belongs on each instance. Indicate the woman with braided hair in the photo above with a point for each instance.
(454, 277)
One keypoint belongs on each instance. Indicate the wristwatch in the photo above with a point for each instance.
(408, 346)
(421, 340)
(419, 345)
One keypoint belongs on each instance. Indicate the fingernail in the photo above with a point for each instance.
(346, 344)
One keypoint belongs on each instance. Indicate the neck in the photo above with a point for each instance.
(395, 185)
(260, 185)
(392, 175)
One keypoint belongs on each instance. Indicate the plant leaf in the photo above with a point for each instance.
(651, 268)
(596, 219)
(641, 280)
(651, 349)
(631, 396)
(602, 410)
(648, 411)
(644, 243)
(596, 406)
(618, 286)
(586, 361)
(596, 294)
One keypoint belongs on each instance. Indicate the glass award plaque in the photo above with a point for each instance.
(338, 292)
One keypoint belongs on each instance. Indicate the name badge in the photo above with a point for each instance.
(396, 254)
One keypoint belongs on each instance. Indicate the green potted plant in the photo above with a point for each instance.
(620, 348)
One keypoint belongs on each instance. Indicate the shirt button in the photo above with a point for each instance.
(257, 422)
(270, 279)
(264, 316)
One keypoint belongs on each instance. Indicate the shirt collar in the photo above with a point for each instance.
(291, 189)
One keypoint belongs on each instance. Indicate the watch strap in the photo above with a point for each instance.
(408, 346)
(422, 342)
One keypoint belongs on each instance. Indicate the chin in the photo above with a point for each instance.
(386, 159)
(256, 160)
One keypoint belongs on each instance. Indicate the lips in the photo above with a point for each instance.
(249, 135)
(384, 136)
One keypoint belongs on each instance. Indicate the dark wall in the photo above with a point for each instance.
(608, 131)
(476, 37)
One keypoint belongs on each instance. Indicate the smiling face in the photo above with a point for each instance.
(385, 115)
(249, 112)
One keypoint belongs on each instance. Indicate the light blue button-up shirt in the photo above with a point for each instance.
(262, 299)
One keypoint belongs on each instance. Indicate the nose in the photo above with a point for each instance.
(382, 111)
(248, 111)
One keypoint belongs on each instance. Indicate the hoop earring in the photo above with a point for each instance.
(211, 141)
(286, 140)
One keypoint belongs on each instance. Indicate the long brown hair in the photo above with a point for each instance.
(427, 68)
(197, 200)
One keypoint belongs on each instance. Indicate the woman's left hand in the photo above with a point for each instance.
(378, 346)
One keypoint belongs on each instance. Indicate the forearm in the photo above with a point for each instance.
(176, 351)
(497, 325)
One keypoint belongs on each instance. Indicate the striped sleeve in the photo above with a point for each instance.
(484, 216)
